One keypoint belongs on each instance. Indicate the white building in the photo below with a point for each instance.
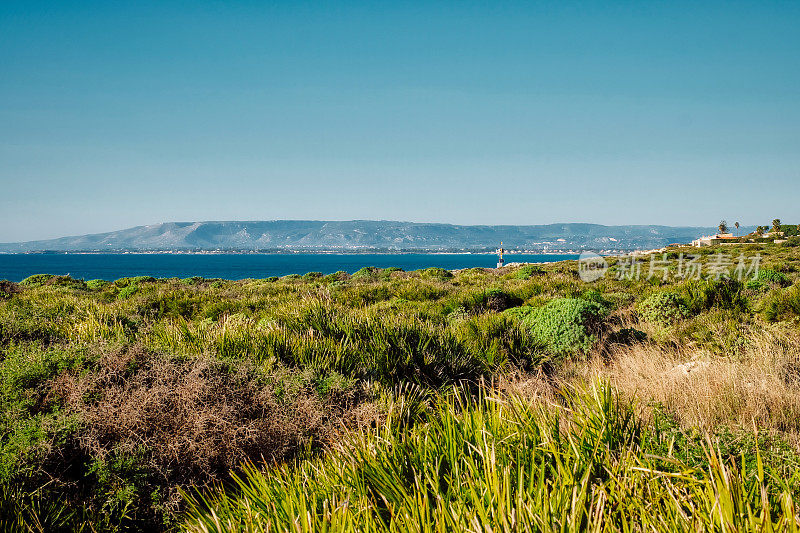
(713, 239)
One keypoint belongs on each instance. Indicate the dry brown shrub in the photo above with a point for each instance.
(8, 288)
(192, 421)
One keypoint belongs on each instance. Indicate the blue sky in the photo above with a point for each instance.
(114, 114)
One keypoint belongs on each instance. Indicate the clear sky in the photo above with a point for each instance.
(114, 114)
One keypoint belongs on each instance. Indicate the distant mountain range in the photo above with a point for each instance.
(364, 235)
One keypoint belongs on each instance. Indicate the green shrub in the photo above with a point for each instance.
(31, 418)
(436, 273)
(341, 275)
(366, 273)
(781, 304)
(127, 291)
(121, 477)
(774, 277)
(724, 293)
(663, 308)
(566, 325)
(520, 313)
(36, 280)
(528, 271)
(124, 282)
(97, 284)
(312, 276)
(386, 273)
(592, 295)
(271, 279)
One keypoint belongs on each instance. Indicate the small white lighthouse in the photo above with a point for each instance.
(500, 261)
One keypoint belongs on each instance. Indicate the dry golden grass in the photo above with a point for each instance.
(760, 384)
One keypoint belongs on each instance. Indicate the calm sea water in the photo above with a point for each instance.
(236, 266)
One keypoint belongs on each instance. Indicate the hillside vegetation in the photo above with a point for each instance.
(514, 399)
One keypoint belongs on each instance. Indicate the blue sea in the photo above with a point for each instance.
(16, 267)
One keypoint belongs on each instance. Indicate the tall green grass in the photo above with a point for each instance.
(359, 343)
(505, 464)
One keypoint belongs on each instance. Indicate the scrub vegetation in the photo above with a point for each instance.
(511, 399)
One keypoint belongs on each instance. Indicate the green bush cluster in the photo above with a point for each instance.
(136, 280)
(528, 271)
(782, 304)
(663, 308)
(592, 295)
(339, 276)
(436, 273)
(32, 420)
(566, 326)
(128, 291)
(366, 273)
(97, 284)
(36, 280)
(723, 293)
(772, 276)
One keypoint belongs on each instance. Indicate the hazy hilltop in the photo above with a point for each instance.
(308, 235)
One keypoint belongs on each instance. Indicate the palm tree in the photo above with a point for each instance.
(737, 228)
(776, 225)
(723, 227)
(760, 230)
